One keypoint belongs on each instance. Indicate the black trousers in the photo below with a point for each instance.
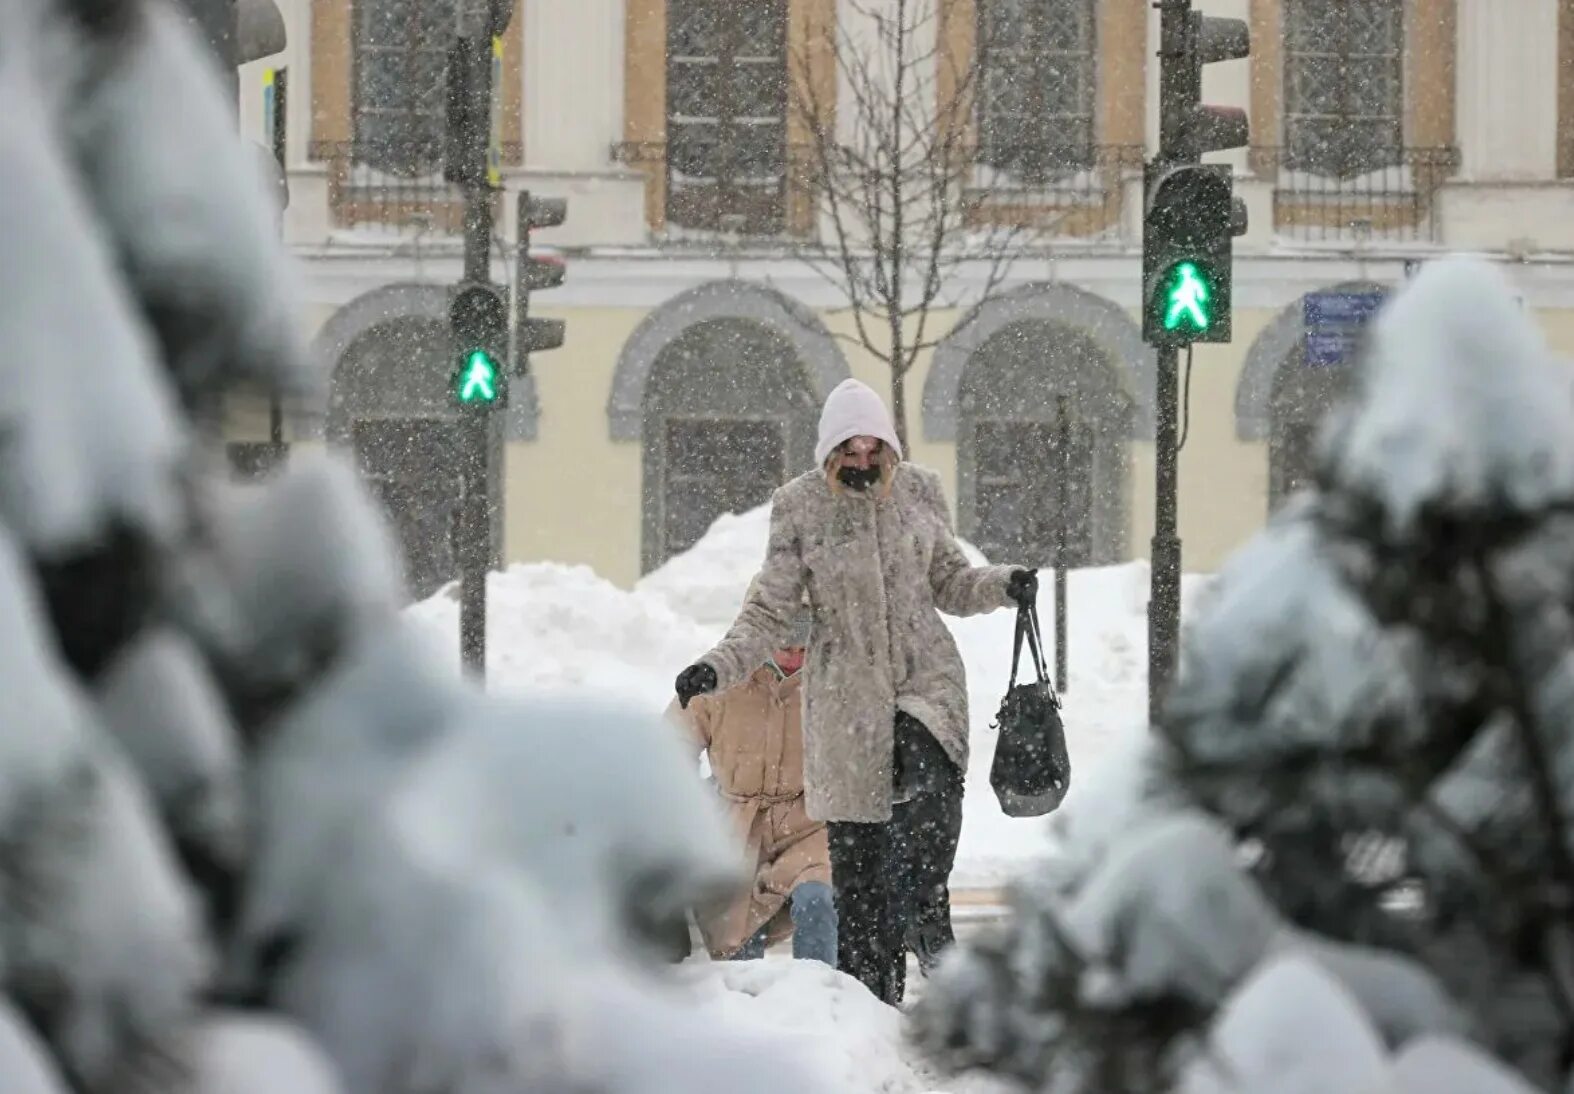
(929, 932)
(893, 876)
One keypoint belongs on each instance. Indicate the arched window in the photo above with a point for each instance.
(1024, 473)
(728, 417)
(400, 60)
(1343, 85)
(1037, 85)
(727, 114)
(1302, 396)
(405, 448)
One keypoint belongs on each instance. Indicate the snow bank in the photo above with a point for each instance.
(825, 1019)
(557, 628)
(707, 582)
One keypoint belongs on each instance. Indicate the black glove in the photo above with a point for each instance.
(1022, 586)
(697, 679)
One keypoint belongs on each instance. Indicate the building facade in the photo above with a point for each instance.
(1384, 133)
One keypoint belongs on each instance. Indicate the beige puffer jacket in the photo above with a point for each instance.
(754, 738)
(878, 571)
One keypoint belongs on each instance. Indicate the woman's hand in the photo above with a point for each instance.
(1022, 587)
(697, 679)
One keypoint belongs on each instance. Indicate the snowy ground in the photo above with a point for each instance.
(835, 1024)
(556, 628)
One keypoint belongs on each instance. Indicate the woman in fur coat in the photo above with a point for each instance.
(868, 538)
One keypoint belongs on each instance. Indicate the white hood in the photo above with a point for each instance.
(854, 409)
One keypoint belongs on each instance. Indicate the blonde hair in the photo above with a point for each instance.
(887, 459)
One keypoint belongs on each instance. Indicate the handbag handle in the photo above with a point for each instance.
(1027, 627)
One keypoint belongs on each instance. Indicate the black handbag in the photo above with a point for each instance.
(1032, 770)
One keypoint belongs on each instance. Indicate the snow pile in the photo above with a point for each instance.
(830, 1021)
(706, 583)
(1321, 873)
(555, 629)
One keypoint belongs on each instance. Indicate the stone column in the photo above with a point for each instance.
(1508, 90)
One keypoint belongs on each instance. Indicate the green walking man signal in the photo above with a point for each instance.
(1186, 299)
(478, 321)
(478, 379)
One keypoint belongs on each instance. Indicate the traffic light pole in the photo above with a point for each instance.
(474, 546)
(1165, 568)
(1190, 219)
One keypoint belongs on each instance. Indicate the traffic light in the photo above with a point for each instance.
(478, 319)
(469, 102)
(1188, 127)
(533, 274)
(1189, 226)
(468, 119)
(1190, 214)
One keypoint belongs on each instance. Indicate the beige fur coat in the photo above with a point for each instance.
(878, 571)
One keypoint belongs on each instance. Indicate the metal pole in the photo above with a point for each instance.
(475, 533)
(1164, 597)
(1062, 678)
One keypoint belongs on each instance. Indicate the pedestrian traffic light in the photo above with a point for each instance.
(478, 378)
(1188, 235)
(478, 319)
(1190, 214)
(1188, 127)
(533, 274)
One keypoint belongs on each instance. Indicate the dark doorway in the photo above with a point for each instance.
(729, 416)
(1024, 474)
(1302, 396)
(412, 467)
(715, 467)
(1010, 467)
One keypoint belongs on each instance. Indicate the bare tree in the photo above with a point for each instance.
(884, 103)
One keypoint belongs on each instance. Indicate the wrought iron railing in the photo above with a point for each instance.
(1066, 191)
(1333, 202)
(399, 186)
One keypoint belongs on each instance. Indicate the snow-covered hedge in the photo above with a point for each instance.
(251, 838)
(1344, 860)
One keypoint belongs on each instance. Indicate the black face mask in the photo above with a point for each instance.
(858, 478)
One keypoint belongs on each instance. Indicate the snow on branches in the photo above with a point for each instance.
(250, 838)
(1351, 863)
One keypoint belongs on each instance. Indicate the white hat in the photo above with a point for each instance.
(854, 409)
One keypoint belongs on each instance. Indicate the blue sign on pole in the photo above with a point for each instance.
(1334, 322)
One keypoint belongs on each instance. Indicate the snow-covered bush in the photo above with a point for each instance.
(250, 838)
(1344, 861)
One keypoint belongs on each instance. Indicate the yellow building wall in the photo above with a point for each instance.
(1223, 481)
(1558, 326)
(574, 495)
